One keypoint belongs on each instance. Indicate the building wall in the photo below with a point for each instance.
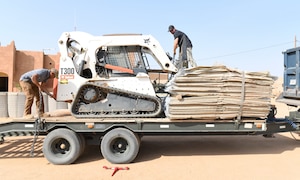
(15, 62)
(7, 59)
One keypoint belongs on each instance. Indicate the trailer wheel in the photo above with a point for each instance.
(120, 146)
(62, 146)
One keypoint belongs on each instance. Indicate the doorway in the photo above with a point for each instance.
(3, 82)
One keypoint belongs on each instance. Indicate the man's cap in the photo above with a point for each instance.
(171, 27)
(53, 70)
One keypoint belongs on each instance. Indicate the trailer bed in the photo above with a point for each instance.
(119, 139)
(150, 126)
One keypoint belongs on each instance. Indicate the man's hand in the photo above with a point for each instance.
(43, 89)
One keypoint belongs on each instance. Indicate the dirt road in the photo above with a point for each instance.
(192, 157)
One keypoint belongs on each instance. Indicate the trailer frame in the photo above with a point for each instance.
(66, 137)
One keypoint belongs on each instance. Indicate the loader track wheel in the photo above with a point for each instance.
(100, 101)
(62, 146)
(120, 146)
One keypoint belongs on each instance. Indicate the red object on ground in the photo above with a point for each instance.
(116, 169)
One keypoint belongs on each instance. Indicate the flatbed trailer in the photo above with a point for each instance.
(66, 137)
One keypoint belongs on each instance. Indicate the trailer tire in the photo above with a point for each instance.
(62, 146)
(120, 146)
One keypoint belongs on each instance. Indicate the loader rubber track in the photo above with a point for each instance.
(114, 103)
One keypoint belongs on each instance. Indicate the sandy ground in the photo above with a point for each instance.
(192, 157)
(163, 157)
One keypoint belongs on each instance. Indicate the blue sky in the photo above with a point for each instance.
(247, 35)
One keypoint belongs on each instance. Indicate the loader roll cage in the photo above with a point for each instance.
(111, 60)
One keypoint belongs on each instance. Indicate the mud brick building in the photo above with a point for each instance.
(16, 62)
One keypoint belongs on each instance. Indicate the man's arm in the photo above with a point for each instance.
(44, 89)
(175, 45)
(41, 85)
(35, 81)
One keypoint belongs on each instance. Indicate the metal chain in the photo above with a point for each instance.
(36, 134)
(37, 123)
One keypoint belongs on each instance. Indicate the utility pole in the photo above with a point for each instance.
(75, 20)
(295, 41)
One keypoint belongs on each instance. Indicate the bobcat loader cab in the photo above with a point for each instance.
(107, 76)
